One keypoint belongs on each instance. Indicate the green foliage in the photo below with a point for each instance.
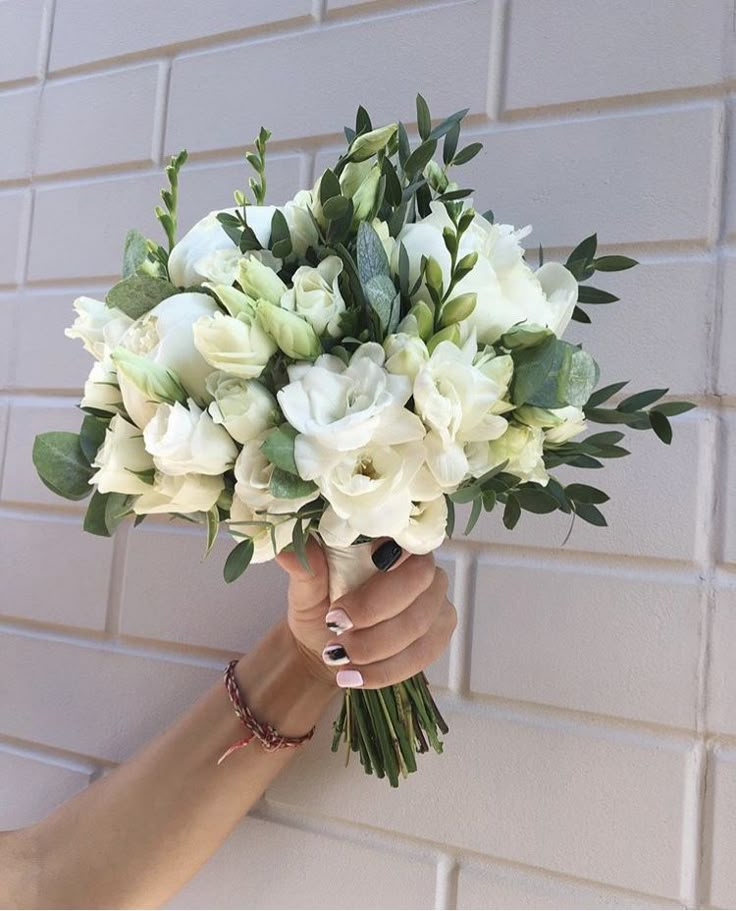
(287, 486)
(278, 447)
(137, 294)
(61, 464)
(238, 560)
(105, 513)
(135, 252)
(168, 218)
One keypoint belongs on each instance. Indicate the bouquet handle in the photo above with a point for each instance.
(389, 726)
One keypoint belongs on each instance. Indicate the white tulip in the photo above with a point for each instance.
(183, 494)
(187, 441)
(245, 523)
(121, 455)
(237, 346)
(98, 326)
(245, 408)
(315, 296)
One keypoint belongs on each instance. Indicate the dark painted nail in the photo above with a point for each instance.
(386, 555)
(335, 654)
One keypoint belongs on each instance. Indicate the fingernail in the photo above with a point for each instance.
(386, 555)
(335, 654)
(347, 679)
(338, 621)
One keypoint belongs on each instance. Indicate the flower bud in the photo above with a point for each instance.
(157, 383)
(418, 321)
(234, 301)
(458, 309)
(405, 354)
(433, 274)
(293, 335)
(449, 334)
(259, 281)
(369, 143)
(364, 199)
(436, 177)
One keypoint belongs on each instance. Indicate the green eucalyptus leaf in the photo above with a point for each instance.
(474, 514)
(61, 464)
(329, 186)
(135, 252)
(525, 335)
(213, 526)
(535, 500)
(450, 526)
(584, 374)
(287, 486)
(278, 447)
(92, 436)
(94, 518)
(450, 144)
(137, 294)
(449, 123)
(673, 408)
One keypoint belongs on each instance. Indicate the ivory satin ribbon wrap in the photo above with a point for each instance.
(349, 567)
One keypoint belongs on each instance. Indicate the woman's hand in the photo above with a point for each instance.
(388, 629)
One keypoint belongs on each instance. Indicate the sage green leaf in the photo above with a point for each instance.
(213, 526)
(604, 393)
(450, 144)
(661, 426)
(535, 500)
(607, 438)
(419, 158)
(673, 408)
(336, 207)
(541, 374)
(329, 186)
(92, 436)
(468, 153)
(641, 399)
(137, 294)
(61, 464)
(238, 560)
(583, 493)
(450, 526)
(371, 256)
(584, 374)
(474, 514)
(278, 447)
(614, 263)
(585, 250)
(580, 316)
(280, 235)
(591, 514)
(135, 252)
(299, 544)
(449, 123)
(511, 512)
(590, 295)
(424, 119)
(287, 486)
(94, 518)
(527, 335)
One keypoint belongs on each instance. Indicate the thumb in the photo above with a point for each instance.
(307, 587)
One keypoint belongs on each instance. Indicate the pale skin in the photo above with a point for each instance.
(163, 813)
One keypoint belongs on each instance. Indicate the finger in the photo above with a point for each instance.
(383, 596)
(387, 555)
(390, 637)
(307, 587)
(413, 659)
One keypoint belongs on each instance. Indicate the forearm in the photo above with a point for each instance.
(136, 836)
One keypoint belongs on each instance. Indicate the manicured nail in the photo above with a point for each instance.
(338, 621)
(347, 679)
(335, 654)
(386, 555)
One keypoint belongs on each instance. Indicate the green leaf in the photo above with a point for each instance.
(424, 119)
(285, 485)
(371, 256)
(92, 436)
(511, 513)
(450, 144)
(419, 158)
(465, 494)
(590, 295)
(278, 447)
(94, 518)
(468, 153)
(604, 393)
(213, 526)
(135, 252)
(673, 408)
(280, 235)
(542, 374)
(474, 514)
(61, 464)
(580, 316)
(336, 207)
(137, 294)
(582, 493)
(404, 147)
(238, 560)
(448, 124)
(535, 500)
(451, 195)
(591, 514)
(607, 438)
(450, 526)
(661, 426)
(525, 336)
(584, 251)
(362, 121)
(299, 544)
(329, 186)
(641, 400)
(614, 263)
(393, 184)
(556, 490)
(584, 374)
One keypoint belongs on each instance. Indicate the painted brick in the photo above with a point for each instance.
(20, 481)
(602, 174)
(12, 214)
(721, 708)
(489, 885)
(727, 369)
(44, 357)
(334, 872)
(139, 26)
(87, 680)
(722, 798)
(655, 480)
(78, 229)
(3, 426)
(594, 639)
(347, 4)
(730, 195)
(115, 128)
(689, 51)
(574, 800)
(67, 552)
(20, 27)
(729, 488)
(285, 79)
(17, 110)
(7, 314)
(29, 788)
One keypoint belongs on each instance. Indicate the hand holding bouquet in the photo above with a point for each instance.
(350, 365)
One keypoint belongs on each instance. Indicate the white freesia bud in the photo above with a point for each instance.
(98, 326)
(239, 346)
(259, 281)
(418, 321)
(187, 441)
(316, 296)
(369, 143)
(101, 390)
(120, 460)
(244, 522)
(559, 424)
(245, 408)
(208, 236)
(405, 354)
(293, 335)
(301, 225)
(183, 494)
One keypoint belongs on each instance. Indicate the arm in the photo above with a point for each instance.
(136, 836)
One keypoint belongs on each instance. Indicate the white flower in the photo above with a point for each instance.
(508, 290)
(236, 345)
(559, 424)
(301, 226)
(187, 441)
(207, 236)
(220, 267)
(245, 408)
(101, 390)
(521, 446)
(121, 455)
(245, 523)
(164, 335)
(382, 230)
(253, 474)
(315, 296)
(98, 326)
(457, 402)
(405, 354)
(337, 408)
(292, 333)
(183, 494)
(426, 528)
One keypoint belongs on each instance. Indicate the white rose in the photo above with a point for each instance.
(315, 295)
(301, 225)
(521, 446)
(98, 326)
(425, 530)
(457, 402)
(245, 408)
(337, 408)
(101, 390)
(235, 345)
(508, 290)
(405, 354)
(559, 424)
(183, 494)
(245, 523)
(121, 455)
(187, 441)
(253, 474)
(164, 335)
(207, 236)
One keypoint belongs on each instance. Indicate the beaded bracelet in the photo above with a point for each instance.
(269, 737)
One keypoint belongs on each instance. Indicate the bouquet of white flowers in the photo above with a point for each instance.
(350, 365)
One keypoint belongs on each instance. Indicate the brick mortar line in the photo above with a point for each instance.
(497, 59)
(447, 870)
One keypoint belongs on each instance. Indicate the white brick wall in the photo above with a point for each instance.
(591, 689)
